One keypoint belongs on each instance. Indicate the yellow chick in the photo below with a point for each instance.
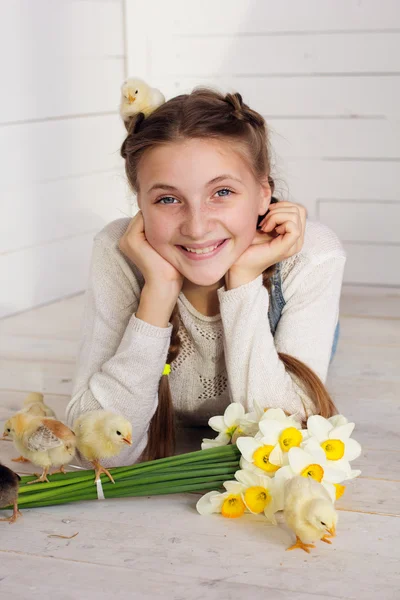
(34, 403)
(309, 512)
(101, 434)
(44, 441)
(137, 96)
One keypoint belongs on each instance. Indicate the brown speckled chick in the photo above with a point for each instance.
(9, 484)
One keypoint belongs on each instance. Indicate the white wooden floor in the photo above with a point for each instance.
(161, 547)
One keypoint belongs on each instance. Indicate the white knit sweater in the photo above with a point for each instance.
(228, 357)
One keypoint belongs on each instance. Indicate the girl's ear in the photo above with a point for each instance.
(265, 197)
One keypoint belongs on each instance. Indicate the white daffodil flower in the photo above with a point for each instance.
(260, 493)
(256, 451)
(232, 424)
(336, 442)
(230, 503)
(338, 420)
(312, 463)
(280, 431)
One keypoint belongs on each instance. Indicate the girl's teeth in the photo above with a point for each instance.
(202, 250)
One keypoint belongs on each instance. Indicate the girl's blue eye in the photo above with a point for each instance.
(172, 198)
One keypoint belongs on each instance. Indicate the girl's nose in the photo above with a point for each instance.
(196, 226)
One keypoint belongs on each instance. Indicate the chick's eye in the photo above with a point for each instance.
(136, 91)
(8, 430)
(324, 524)
(119, 433)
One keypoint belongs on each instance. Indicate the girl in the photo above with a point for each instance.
(236, 291)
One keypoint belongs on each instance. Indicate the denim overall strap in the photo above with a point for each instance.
(277, 302)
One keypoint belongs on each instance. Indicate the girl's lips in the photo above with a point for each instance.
(194, 256)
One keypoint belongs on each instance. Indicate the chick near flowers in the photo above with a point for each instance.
(44, 441)
(309, 512)
(137, 96)
(34, 405)
(101, 434)
(9, 485)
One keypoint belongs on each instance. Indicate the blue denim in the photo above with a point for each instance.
(277, 302)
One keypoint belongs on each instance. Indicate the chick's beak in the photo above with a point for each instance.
(131, 98)
(127, 440)
(5, 434)
(332, 531)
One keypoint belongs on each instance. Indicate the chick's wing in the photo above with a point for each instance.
(43, 439)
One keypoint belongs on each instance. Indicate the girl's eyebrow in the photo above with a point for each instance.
(172, 188)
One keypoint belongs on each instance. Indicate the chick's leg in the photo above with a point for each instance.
(99, 469)
(42, 478)
(326, 539)
(300, 544)
(60, 470)
(21, 459)
(15, 514)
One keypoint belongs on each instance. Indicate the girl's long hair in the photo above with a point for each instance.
(208, 114)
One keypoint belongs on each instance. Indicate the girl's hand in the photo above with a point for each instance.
(281, 235)
(156, 271)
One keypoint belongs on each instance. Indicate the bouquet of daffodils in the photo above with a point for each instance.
(274, 448)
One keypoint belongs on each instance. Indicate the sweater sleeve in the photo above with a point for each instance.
(121, 358)
(305, 330)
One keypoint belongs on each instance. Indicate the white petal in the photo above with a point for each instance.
(204, 506)
(246, 477)
(283, 474)
(353, 449)
(247, 447)
(332, 475)
(337, 420)
(343, 432)
(276, 457)
(313, 447)
(233, 413)
(217, 423)
(221, 440)
(271, 430)
(353, 473)
(233, 487)
(276, 414)
(330, 488)
(319, 427)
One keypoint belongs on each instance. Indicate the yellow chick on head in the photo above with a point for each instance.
(137, 96)
(309, 512)
(102, 434)
(44, 441)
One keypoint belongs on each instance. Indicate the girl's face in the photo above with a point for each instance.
(199, 192)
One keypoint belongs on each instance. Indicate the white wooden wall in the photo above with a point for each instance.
(62, 179)
(326, 75)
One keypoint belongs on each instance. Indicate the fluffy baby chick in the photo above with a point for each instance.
(44, 441)
(9, 484)
(34, 402)
(101, 434)
(137, 96)
(309, 512)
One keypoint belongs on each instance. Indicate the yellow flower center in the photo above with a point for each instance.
(233, 506)
(233, 429)
(257, 498)
(289, 438)
(339, 490)
(261, 459)
(334, 449)
(314, 471)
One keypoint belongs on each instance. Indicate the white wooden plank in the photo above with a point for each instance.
(250, 16)
(40, 376)
(367, 222)
(353, 360)
(372, 264)
(369, 331)
(336, 138)
(48, 322)
(43, 83)
(286, 54)
(313, 97)
(61, 209)
(52, 150)
(41, 267)
(360, 302)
